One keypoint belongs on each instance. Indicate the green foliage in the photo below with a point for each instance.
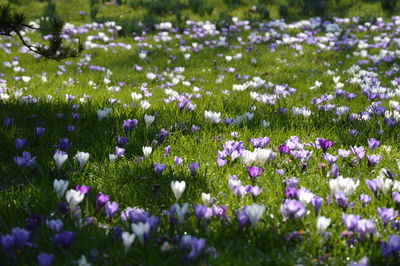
(389, 5)
(94, 8)
(201, 7)
(232, 3)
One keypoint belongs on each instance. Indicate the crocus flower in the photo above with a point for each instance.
(20, 143)
(7, 122)
(127, 240)
(45, 259)
(350, 221)
(373, 143)
(178, 188)
(159, 168)
(60, 157)
(373, 159)
(322, 224)
(141, 230)
(122, 141)
(7, 242)
(149, 119)
(26, 160)
(39, 132)
(129, 125)
(316, 202)
(324, 144)
(254, 212)
(167, 150)
(374, 185)
(193, 167)
(82, 189)
(60, 186)
(147, 151)
(20, 236)
(359, 152)
(392, 247)
(292, 208)
(64, 238)
(387, 214)
(119, 152)
(178, 161)
(82, 158)
(101, 200)
(64, 144)
(74, 198)
(365, 227)
(254, 171)
(55, 225)
(111, 209)
(202, 211)
(364, 199)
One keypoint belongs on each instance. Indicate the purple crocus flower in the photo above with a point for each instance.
(55, 225)
(20, 236)
(254, 191)
(374, 185)
(101, 200)
(341, 200)
(70, 128)
(45, 259)
(129, 125)
(373, 159)
(193, 167)
(20, 143)
(292, 208)
(254, 171)
(62, 207)
(111, 209)
(365, 199)
(159, 168)
(387, 215)
(82, 189)
(242, 218)
(359, 152)
(324, 144)
(334, 172)
(330, 158)
(39, 131)
(178, 161)
(7, 242)
(365, 227)
(25, 161)
(64, 144)
(290, 192)
(7, 122)
(167, 150)
(119, 152)
(122, 141)
(373, 143)
(392, 247)
(283, 149)
(75, 116)
(64, 238)
(350, 221)
(197, 245)
(162, 135)
(259, 142)
(316, 202)
(201, 211)
(396, 198)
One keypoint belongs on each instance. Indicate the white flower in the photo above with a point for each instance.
(60, 157)
(147, 151)
(82, 158)
(247, 157)
(304, 196)
(212, 117)
(102, 113)
(181, 212)
(136, 96)
(83, 261)
(254, 212)
(396, 186)
(178, 188)
(149, 119)
(206, 198)
(346, 185)
(141, 230)
(60, 186)
(322, 223)
(265, 124)
(74, 198)
(127, 240)
(112, 157)
(145, 105)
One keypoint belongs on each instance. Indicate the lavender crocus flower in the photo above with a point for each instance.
(342, 200)
(64, 238)
(316, 202)
(193, 167)
(373, 159)
(26, 160)
(373, 143)
(365, 227)
(374, 185)
(290, 192)
(7, 122)
(39, 131)
(20, 143)
(242, 218)
(178, 161)
(45, 259)
(364, 199)
(64, 144)
(101, 200)
(111, 209)
(129, 125)
(55, 225)
(350, 221)
(159, 168)
(82, 189)
(20, 236)
(7, 243)
(167, 150)
(392, 247)
(202, 211)
(122, 141)
(292, 208)
(359, 152)
(254, 171)
(119, 152)
(324, 144)
(387, 215)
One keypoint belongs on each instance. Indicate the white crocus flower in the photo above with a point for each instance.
(181, 211)
(149, 119)
(102, 113)
(127, 240)
(60, 186)
(304, 196)
(346, 185)
(74, 198)
(206, 198)
(254, 212)
(60, 157)
(178, 188)
(147, 151)
(141, 230)
(322, 223)
(136, 96)
(82, 158)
